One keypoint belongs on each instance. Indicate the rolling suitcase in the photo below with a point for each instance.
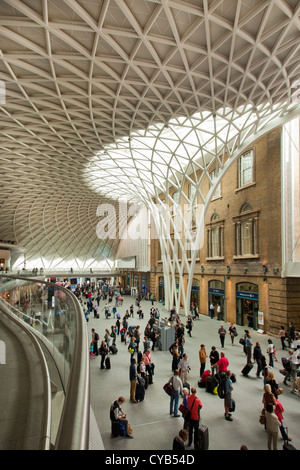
(107, 362)
(286, 445)
(187, 385)
(203, 437)
(247, 369)
(146, 378)
(140, 389)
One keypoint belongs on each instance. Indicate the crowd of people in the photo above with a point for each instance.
(214, 368)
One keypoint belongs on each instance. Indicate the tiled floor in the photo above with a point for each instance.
(153, 427)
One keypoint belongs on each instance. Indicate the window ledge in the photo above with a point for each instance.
(216, 258)
(250, 185)
(246, 257)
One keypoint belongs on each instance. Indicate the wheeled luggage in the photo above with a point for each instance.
(286, 445)
(247, 369)
(211, 383)
(107, 362)
(187, 385)
(146, 378)
(140, 389)
(203, 437)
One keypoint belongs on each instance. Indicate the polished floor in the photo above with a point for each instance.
(153, 427)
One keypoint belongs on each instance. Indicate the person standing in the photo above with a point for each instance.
(279, 410)
(184, 368)
(291, 333)
(219, 312)
(248, 346)
(95, 339)
(270, 351)
(103, 351)
(228, 397)
(222, 333)
(202, 359)
(194, 407)
(272, 426)
(176, 382)
(132, 378)
(214, 357)
(212, 310)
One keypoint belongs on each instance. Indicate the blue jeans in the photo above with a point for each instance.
(174, 401)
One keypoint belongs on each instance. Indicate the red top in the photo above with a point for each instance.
(194, 408)
(223, 363)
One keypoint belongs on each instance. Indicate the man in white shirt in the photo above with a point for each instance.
(184, 368)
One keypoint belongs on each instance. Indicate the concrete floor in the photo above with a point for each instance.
(153, 427)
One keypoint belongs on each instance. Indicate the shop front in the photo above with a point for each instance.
(161, 289)
(195, 294)
(216, 293)
(247, 304)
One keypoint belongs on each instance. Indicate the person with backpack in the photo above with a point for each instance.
(228, 398)
(95, 339)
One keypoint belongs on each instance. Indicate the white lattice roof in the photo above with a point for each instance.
(103, 100)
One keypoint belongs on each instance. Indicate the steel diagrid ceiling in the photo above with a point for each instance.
(108, 100)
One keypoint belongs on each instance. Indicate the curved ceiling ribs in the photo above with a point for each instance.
(126, 99)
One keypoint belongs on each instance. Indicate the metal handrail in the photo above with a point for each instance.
(46, 434)
(73, 432)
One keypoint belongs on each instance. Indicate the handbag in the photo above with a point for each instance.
(168, 388)
(262, 418)
(182, 409)
(279, 391)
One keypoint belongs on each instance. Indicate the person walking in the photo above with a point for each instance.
(282, 335)
(233, 333)
(257, 354)
(222, 333)
(176, 382)
(194, 407)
